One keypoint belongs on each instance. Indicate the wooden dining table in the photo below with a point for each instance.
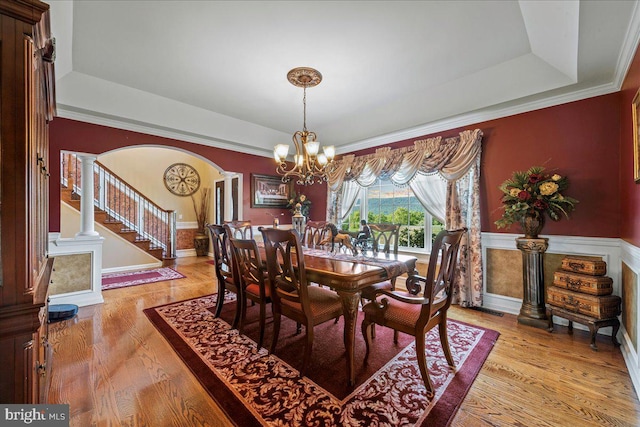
(348, 275)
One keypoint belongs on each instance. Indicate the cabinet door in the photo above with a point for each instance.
(37, 155)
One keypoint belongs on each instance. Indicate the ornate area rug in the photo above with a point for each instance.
(255, 388)
(132, 278)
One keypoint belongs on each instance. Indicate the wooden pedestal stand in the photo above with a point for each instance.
(533, 311)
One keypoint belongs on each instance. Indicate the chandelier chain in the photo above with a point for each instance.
(304, 109)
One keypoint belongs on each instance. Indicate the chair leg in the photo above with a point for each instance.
(276, 332)
(298, 328)
(444, 341)
(422, 364)
(395, 336)
(263, 317)
(307, 350)
(220, 299)
(243, 315)
(373, 325)
(236, 317)
(366, 333)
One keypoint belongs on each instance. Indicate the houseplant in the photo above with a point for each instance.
(530, 196)
(201, 240)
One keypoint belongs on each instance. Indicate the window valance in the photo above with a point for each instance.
(451, 158)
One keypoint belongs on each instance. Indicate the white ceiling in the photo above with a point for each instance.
(214, 72)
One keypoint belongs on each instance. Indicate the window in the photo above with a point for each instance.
(383, 202)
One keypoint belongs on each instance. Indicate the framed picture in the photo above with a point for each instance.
(270, 192)
(636, 138)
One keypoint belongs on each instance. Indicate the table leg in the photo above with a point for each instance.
(350, 302)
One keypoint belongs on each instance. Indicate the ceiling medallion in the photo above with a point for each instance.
(304, 77)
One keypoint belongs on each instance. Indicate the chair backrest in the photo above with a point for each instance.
(221, 251)
(385, 237)
(314, 232)
(240, 229)
(441, 272)
(248, 262)
(284, 252)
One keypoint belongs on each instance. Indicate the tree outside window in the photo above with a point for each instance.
(385, 203)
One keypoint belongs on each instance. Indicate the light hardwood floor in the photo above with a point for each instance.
(114, 368)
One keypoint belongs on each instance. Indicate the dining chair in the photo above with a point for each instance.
(291, 293)
(314, 233)
(227, 277)
(385, 238)
(240, 229)
(252, 280)
(424, 306)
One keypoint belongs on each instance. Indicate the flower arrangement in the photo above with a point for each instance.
(301, 203)
(532, 194)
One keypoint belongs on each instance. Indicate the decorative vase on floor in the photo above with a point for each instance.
(201, 244)
(532, 225)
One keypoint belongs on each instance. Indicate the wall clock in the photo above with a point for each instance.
(181, 179)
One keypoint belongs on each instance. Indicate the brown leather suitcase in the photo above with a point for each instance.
(591, 265)
(599, 307)
(593, 285)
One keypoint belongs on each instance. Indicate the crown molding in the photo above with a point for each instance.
(68, 112)
(483, 115)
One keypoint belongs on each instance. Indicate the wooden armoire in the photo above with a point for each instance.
(27, 104)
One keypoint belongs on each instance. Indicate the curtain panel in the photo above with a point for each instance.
(457, 160)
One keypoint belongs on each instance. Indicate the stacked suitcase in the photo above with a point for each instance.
(582, 293)
(582, 287)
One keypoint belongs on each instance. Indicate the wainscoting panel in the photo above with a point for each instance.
(71, 273)
(86, 254)
(630, 261)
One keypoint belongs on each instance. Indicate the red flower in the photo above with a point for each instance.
(540, 205)
(524, 195)
(534, 178)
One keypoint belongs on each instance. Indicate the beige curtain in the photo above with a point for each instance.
(456, 159)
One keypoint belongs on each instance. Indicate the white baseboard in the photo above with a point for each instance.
(182, 253)
(80, 299)
(132, 267)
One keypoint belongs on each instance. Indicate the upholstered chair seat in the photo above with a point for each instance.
(324, 303)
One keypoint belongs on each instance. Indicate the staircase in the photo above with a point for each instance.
(122, 209)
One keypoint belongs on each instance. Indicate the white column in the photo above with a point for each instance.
(228, 199)
(86, 199)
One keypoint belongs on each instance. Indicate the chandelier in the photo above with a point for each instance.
(309, 165)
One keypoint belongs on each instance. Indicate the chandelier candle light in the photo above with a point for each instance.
(309, 164)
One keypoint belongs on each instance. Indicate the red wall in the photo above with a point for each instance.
(71, 135)
(581, 139)
(629, 190)
(578, 139)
